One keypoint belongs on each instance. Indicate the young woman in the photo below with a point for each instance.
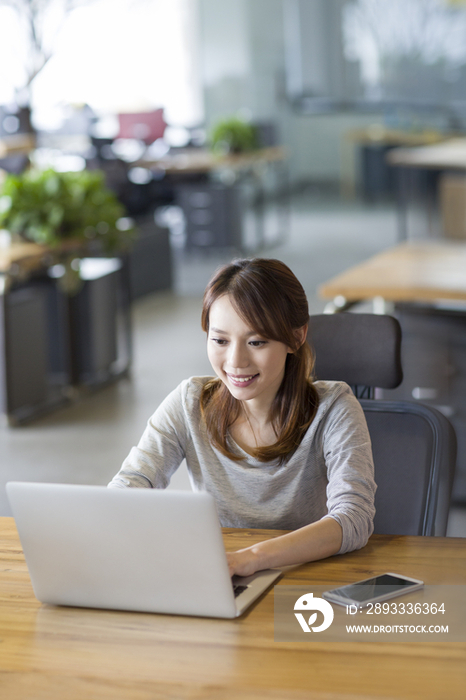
(275, 449)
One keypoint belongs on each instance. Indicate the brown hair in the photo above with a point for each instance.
(268, 296)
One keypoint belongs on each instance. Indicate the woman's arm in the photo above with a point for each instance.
(316, 541)
(350, 471)
(161, 448)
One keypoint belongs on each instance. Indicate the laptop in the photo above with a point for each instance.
(144, 550)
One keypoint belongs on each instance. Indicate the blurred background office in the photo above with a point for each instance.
(253, 127)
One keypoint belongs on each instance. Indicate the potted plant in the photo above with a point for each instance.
(73, 214)
(233, 135)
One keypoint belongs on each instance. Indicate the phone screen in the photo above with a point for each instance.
(385, 584)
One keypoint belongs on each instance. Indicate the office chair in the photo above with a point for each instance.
(144, 126)
(414, 445)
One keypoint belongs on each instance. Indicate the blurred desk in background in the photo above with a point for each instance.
(19, 258)
(215, 190)
(410, 272)
(14, 153)
(16, 144)
(447, 155)
(431, 187)
(194, 161)
(371, 169)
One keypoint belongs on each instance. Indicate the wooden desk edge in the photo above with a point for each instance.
(50, 652)
(204, 161)
(352, 283)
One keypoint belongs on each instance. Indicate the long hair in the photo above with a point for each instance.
(267, 296)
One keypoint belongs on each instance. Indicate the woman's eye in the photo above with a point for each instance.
(252, 343)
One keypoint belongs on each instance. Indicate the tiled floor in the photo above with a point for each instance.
(86, 442)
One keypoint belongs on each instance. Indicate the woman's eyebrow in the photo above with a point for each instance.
(218, 330)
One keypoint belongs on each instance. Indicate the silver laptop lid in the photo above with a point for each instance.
(130, 549)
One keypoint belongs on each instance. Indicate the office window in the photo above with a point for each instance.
(407, 49)
(115, 55)
(374, 53)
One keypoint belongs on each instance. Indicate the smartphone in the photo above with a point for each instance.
(373, 590)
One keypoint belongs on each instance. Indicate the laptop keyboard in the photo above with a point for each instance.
(237, 589)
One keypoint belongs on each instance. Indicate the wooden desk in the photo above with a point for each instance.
(17, 144)
(410, 272)
(368, 161)
(193, 167)
(49, 652)
(447, 155)
(379, 134)
(425, 178)
(200, 161)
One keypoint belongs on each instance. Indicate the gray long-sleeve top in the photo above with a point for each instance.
(331, 474)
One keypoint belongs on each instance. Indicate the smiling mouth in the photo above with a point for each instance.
(243, 380)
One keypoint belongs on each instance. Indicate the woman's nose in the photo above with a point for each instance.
(238, 356)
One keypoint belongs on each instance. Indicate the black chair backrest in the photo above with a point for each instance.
(414, 445)
(363, 350)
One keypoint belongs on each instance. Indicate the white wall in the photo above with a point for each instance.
(225, 57)
(323, 149)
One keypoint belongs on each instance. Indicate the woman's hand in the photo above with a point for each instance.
(242, 562)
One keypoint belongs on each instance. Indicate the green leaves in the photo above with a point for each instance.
(233, 136)
(49, 207)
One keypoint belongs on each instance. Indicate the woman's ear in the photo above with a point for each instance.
(300, 335)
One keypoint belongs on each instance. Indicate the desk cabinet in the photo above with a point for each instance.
(92, 322)
(25, 349)
(150, 265)
(54, 345)
(378, 181)
(212, 214)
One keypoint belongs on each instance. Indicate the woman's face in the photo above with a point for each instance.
(250, 366)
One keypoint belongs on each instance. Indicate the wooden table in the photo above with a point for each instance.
(409, 272)
(198, 160)
(378, 133)
(192, 165)
(17, 144)
(447, 155)
(49, 652)
(373, 143)
(18, 259)
(427, 176)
